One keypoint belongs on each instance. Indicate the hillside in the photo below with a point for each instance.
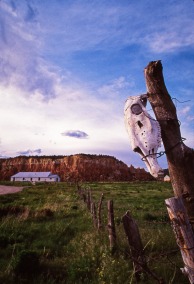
(80, 167)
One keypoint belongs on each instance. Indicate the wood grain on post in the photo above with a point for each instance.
(135, 244)
(183, 233)
(180, 157)
(111, 226)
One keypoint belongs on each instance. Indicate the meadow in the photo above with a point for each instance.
(47, 235)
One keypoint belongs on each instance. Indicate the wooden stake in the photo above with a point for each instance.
(99, 212)
(94, 215)
(135, 244)
(111, 226)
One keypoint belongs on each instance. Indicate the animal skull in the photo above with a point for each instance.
(144, 132)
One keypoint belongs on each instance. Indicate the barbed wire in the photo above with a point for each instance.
(161, 153)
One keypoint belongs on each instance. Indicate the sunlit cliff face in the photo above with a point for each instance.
(143, 131)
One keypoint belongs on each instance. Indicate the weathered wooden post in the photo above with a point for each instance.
(180, 163)
(99, 212)
(135, 244)
(111, 226)
(94, 214)
(180, 157)
(137, 250)
(183, 233)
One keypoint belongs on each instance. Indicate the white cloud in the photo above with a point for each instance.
(161, 28)
(171, 39)
(185, 110)
(190, 118)
(40, 98)
(118, 85)
(29, 121)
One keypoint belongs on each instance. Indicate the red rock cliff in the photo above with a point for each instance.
(81, 167)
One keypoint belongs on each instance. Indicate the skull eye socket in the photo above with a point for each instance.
(136, 109)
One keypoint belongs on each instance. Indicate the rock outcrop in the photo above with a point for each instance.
(80, 167)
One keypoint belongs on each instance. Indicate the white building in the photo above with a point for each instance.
(35, 177)
(167, 178)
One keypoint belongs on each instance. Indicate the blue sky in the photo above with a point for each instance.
(67, 67)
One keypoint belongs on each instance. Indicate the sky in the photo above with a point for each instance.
(67, 67)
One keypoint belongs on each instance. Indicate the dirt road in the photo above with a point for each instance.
(4, 189)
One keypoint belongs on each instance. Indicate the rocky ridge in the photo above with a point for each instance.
(80, 167)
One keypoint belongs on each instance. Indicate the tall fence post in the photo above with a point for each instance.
(99, 212)
(183, 233)
(94, 215)
(111, 226)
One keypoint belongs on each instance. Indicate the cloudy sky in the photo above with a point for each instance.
(67, 67)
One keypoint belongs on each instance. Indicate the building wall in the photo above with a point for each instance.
(167, 178)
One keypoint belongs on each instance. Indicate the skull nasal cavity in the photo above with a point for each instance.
(139, 124)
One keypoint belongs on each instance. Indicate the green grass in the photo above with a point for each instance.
(47, 235)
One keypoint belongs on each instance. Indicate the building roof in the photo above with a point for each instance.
(32, 175)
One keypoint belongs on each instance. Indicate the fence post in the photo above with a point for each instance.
(111, 226)
(135, 244)
(99, 212)
(94, 215)
(183, 233)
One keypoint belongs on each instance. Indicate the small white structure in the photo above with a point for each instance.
(35, 177)
(167, 178)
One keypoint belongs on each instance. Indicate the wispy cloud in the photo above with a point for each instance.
(22, 63)
(42, 89)
(30, 152)
(185, 110)
(159, 32)
(75, 134)
(112, 89)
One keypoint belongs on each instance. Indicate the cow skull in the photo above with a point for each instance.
(144, 132)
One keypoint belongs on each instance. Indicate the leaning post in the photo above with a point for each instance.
(180, 160)
(180, 157)
(135, 244)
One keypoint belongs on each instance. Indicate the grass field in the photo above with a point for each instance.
(47, 235)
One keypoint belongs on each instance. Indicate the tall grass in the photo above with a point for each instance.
(47, 235)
